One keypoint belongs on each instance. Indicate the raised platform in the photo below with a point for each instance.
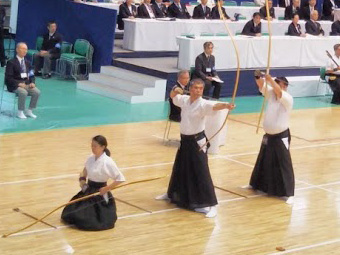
(125, 85)
(165, 68)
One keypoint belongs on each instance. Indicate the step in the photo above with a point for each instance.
(121, 73)
(107, 91)
(117, 83)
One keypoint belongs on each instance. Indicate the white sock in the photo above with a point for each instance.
(212, 213)
(247, 187)
(162, 197)
(29, 113)
(290, 200)
(204, 210)
(21, 115)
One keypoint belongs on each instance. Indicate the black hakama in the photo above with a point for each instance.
(93, 213)
(335, 87)
(273, 172)
(191, 185)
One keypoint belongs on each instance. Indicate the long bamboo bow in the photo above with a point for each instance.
(222, 17)
(77, 200)
(268, 64)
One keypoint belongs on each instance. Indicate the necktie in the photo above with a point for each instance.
(179, 7)
(23, 66)
(204, 9)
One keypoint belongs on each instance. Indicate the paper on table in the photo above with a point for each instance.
(217, 79)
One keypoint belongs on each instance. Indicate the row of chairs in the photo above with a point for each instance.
(232, 3)
(71, 59)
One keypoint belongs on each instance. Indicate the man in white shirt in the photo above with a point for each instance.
(273, 172)
(333, 73)
(191, 186)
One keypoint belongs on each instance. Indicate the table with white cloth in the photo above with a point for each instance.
(287, 51)
(156, 35)
(212, 124)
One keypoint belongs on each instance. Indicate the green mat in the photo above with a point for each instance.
(62, 105)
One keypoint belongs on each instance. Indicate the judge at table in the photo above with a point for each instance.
(263, 11)
(335, 28)
(205, 70)
(294, 28)
(328, 7)
(253, 27)
(161, 11)
(215, 14)
(307, 10)
(312, 26)
(293, 9)
(146, 10)
(178, 10)
(202, 11)
(126, 10)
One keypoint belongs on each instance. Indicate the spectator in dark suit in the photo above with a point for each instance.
(19, 78)
(146, 10)
(215, 14)
(263, 11)
(205, 70)
(183, 78)
(332, 74)
(2, 49)
(292, 9)
(126, 10)
(178, 10)
(328, 9)
(312, 26)
(202, 11)
(307, 10)
(285, 3)
(294, 28)
(335, 28)
(161, 11)
(253, 27)
(50, 50)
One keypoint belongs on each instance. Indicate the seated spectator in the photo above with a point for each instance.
(294, 28)
(292, 9)
(161, 11)
(215, 14)
(183, 79)
(202, 11)
(126, 10)
(328, 9)
(335, 28)
(178, 10)
(285, 3)
(205, 70)
(146, 10)
(307, 10)
(50, 50)
(332, 74)
(263, 11)
(253, 27)
(19, 79)
(312, 26)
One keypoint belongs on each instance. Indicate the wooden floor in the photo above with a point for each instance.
(39, 172)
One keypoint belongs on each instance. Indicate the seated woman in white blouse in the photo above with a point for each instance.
(97, 212)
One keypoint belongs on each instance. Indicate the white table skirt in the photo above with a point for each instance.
(155, 35)
(304, 86)
(287, 51)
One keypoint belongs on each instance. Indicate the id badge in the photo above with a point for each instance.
(208, 70)
(23, 75)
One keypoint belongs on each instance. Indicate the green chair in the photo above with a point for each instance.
(242, 17)
(322, 79)
(265, 34)
(230, 3)
(81, 56)
(238, 33)
(194, 3)
(66, 47)
(281, 18)
(188, 34)
(247, 3)
(38, 46)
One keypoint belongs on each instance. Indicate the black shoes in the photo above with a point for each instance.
(46, 76)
